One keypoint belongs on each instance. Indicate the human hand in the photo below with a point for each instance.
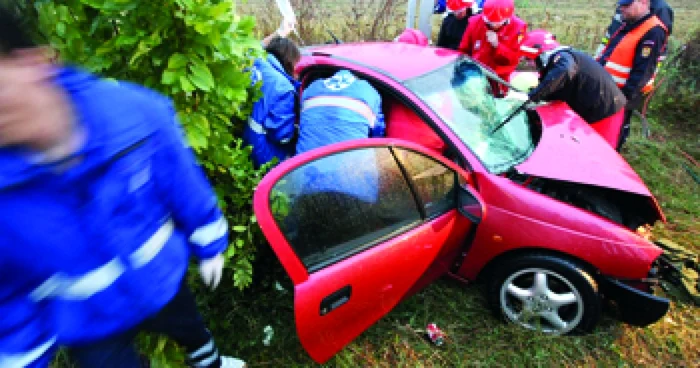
(492, 38)
(211, 270)
(286, 27)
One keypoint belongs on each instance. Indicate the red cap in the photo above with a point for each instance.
(537, 42)
(498, 11)
(413, 36)
(456, 5)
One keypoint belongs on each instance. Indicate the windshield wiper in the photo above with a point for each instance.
(510, 117)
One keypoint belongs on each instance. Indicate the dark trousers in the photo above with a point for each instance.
(178, 320)
(624, 129)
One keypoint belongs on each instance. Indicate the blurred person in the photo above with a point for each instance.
(574, 77)
(337, 109)
(632, 54)
(271, 125)
(101, 206)
(455, 23)
(494, 38)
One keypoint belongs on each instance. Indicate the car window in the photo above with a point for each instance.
(434, 182)
(338, 205)
(459, 93)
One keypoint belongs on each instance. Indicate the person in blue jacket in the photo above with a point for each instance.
(101, 207)
(338, 109)
(270, 127)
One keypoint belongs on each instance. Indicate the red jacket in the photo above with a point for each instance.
(506, 56)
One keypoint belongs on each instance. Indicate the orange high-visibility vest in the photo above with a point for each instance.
(621, 61)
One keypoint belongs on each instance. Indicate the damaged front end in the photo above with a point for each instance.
(633, 211)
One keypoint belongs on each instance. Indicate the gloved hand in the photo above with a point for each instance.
(211, 270)
(492, 38)
(286, 27)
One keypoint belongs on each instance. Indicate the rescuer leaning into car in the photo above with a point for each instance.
(576, 78)
(270, 127)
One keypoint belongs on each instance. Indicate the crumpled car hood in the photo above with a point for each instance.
(570, 150)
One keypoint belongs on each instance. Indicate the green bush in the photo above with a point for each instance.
(194, 51)
(678, 95)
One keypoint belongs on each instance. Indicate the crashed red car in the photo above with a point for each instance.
(542, 210)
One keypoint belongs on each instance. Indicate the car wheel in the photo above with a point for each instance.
(545, 293)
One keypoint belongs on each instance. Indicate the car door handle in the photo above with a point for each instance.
(335, 300)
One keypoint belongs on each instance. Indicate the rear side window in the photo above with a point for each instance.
(435, 183)
(339, 205)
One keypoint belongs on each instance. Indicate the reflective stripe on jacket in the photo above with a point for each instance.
(621, 61)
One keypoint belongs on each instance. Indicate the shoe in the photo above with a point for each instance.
(231, 362)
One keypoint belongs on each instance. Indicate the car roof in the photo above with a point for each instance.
(400, 60)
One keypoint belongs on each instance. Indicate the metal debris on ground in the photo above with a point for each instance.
(682, 269)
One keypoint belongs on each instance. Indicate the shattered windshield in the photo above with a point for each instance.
(460, 93)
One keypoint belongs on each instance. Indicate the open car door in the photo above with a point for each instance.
(359, 226)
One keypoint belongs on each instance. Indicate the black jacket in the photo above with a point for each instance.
(576, 78)
(452, 30)
(646, 57)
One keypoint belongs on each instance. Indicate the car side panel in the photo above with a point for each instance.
(521, 218)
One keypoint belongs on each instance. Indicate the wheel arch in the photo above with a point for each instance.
(488, 269)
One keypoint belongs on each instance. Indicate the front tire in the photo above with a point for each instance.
(546, 293)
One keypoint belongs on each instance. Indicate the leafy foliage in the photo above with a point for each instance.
(679, 91)
(194, 51)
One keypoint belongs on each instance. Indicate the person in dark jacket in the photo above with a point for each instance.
(101, 207)
(455, 23)
(572, 76)
(632, 54)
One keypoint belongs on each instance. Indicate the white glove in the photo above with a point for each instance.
(211, 270)
(492, 38)
(286, 27)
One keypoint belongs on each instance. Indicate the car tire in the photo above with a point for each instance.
(545, 292)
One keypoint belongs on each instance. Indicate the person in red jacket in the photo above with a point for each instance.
(494, 38)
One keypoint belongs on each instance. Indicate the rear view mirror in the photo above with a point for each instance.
(469, 205)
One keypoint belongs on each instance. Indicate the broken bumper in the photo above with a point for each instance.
(636, 307)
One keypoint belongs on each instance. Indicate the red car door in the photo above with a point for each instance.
(359, 226)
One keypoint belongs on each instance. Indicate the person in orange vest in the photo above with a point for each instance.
(632, 53)
(494, 38)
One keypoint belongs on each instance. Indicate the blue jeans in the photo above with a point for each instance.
(179, 320)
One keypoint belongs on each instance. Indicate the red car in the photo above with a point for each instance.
(542, 210)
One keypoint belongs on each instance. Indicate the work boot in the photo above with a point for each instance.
(231, 362)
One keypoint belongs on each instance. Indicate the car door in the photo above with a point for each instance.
(359, 226)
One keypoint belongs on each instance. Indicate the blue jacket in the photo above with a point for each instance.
(271, 124)
(93, 245)
(339, 109)
(440, 7)
(334, 110)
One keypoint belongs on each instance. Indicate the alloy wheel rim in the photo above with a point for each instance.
(540, 299)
